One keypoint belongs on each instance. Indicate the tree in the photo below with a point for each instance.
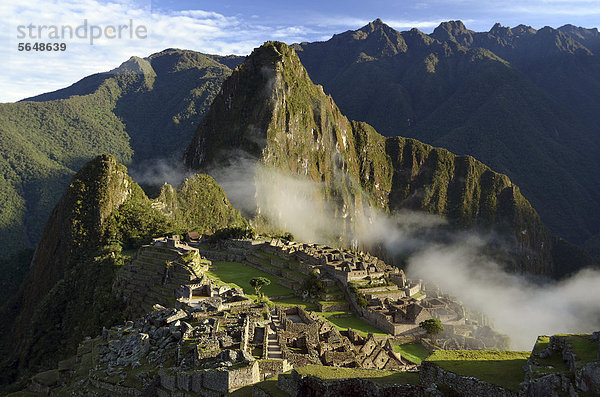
(257, 283)
(362, 301)
(313, 285)
(433, 326)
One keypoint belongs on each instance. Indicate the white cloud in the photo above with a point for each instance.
(31, 73)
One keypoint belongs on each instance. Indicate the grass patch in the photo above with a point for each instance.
(585, 349)
(504, 369)
(295, 301)
(357, 324)
(414, 352)
(236, 274)
(269, 386)
(257, 352)
(378, 376)
(551, 364)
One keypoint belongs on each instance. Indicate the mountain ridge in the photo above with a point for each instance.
(45, 139)
(488, 94)
(270, 109)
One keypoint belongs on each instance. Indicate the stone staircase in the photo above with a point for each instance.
(273, 348)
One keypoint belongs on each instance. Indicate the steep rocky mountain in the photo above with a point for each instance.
(270, 110)
(67, 293)
(125, 112)
(523, 101)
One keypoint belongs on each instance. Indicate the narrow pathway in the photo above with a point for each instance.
(273, 348)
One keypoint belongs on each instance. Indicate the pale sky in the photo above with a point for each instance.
(226, 27)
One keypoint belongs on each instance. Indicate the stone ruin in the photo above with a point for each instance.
(395, 304)
(309, 339)
(171, 273)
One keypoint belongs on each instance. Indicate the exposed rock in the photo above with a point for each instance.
(588, 380)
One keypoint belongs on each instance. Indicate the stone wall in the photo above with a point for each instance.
(430, 374)
(270, 368)
(296, 385)
(241, 377)
(381, 321)
(393, 295)
(208, 382)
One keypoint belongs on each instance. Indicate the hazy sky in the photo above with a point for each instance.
(227, 27)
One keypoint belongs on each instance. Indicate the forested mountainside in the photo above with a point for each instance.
(102, 217)
(144, 111)
(523, 101)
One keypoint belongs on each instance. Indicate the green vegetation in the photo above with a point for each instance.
(433, 326)
(257, 283)
(414, 352)
(200, 204)
(234, 232)
(381, 377)
(239, 275)
(313, 285)
(67, 294)
(13, 270)
(584, 349)
(500, 368)
(551, 364)
(460, 188)
(269, 386)
(378, 376)
(356, 323)
(361, 300)
(46, 139)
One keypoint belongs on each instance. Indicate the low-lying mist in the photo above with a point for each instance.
(516, 305)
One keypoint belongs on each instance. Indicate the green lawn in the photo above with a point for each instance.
(500, 368)
(296, 301)
(585, 349)
(357, 324)
(553, 363)
(414, 352)
(236, 274)
(342, 323)
(269, 386)
(378, 376)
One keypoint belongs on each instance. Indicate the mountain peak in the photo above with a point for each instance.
(452, 27)
(135, 65)
(375, 26)
(271, 51)
(453, 31)
(270, 75)
(499, 30)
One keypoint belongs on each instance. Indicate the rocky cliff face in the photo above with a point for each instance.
(270, 109)
(67, 290)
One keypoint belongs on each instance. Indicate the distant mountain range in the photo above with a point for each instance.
(522, 101)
